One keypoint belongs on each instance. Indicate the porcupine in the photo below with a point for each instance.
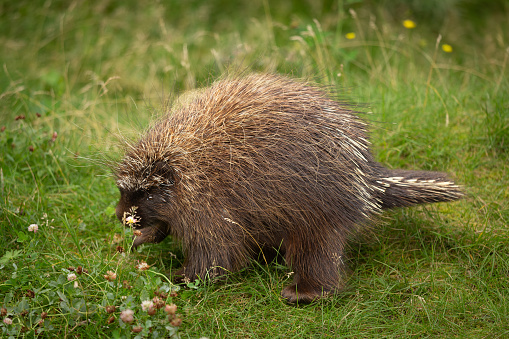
(260, 162)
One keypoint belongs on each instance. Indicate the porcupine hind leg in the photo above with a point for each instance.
(318, 269)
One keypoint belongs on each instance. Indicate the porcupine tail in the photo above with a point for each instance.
(405, 188)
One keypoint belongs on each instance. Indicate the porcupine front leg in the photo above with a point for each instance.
(318, 269)
(204, 262)
(211, 255)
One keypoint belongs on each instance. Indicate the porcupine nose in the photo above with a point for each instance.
(119, 212)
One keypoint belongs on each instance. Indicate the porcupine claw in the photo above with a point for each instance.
(151, 234)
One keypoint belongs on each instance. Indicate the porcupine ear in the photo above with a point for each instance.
(166, 171)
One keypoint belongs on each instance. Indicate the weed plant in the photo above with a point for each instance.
(80, 77)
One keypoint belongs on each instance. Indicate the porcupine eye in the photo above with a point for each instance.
(164, 171)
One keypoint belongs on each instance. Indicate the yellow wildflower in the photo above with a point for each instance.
(409, 24)
(447, 48)
(350, 35)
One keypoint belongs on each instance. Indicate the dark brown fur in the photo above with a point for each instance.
(264, 162)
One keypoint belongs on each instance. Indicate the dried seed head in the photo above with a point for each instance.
(110, 309)
(176, 322)
(137, 329)
(111, 320)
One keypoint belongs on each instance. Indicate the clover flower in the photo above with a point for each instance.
(146, 305)
(110, 276)
(8, 321)
(33, 228)
(142, 266)
(176, 322)
(127, 316)
(71, 277)
(171, 309)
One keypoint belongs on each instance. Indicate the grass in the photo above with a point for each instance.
(93, 71)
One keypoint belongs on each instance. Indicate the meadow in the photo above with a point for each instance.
(79, 77)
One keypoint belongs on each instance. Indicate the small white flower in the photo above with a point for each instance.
(147, 304)
(71, 276)
(8, 321)
(130, 220)
(33, 228)
(142, 266)
(76, 285)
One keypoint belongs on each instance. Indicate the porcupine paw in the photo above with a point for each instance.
(302, 293)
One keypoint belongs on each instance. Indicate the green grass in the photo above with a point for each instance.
(96, 73)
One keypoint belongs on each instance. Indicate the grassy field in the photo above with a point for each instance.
(78, 77)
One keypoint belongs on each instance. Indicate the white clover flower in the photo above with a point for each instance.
(142, 266)
(33, 228)
(127, 316)
(130, 220)
(71, 276)
(8, 321)
(146, 305)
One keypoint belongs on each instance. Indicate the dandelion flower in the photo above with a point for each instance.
(447, 48)
(350, 35)
(127, 316)
(8, 321)
(33, 228)
(409, 24)
(71, 277)
(147, 304)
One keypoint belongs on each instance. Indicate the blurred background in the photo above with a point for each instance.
(79, 77)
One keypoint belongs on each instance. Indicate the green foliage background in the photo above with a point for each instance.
(97, 73)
